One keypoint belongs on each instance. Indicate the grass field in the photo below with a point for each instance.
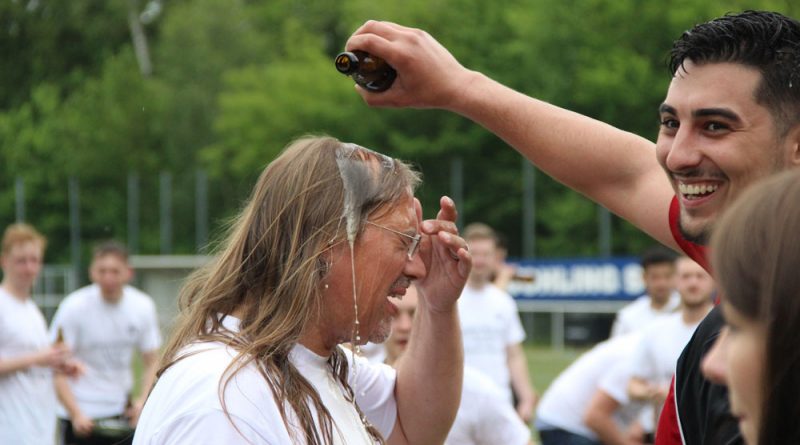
(545, 363)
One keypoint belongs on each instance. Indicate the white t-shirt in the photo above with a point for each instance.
(564, 403)
(104, 336)
(656, 356)
(485, 417)
(662, 343)
(27, 398)
(184, 406)
(489, 324)
(639, 314)
(374, 352)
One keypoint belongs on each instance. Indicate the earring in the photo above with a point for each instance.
(326, 286)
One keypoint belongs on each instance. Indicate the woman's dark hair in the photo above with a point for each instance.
(756, 254)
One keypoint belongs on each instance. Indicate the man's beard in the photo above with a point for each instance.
(382, 331)
(700, 238)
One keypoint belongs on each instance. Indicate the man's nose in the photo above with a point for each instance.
(714, 363)
(415, 268)
(684, 153)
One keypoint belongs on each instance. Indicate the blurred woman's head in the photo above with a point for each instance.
(755, 256)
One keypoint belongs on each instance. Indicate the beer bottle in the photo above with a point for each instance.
(60, 336)
(372, 73)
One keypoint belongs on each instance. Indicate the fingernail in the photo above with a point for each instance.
(427, 226)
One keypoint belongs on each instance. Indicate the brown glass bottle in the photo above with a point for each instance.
(372, 73)
(60, 336)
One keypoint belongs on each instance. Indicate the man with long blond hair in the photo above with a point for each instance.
(331, 231)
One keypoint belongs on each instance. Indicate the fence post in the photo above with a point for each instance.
(457, 187)
(75, 228)
(133, 212)
(19, 194)
(604, 229)
(528, 209)
(165, 195)
(201, 210)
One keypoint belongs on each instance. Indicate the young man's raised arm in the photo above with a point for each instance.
(614, 168)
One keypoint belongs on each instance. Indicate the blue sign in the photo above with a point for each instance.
(587, 279)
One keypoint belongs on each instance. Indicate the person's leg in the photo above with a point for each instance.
(562, 437)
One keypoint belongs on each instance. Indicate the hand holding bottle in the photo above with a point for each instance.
(428, 76)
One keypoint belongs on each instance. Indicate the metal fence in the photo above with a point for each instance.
(52, 285)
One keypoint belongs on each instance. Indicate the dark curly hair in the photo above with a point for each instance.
(766, 41)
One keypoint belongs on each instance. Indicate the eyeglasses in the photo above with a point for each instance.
(412, 246)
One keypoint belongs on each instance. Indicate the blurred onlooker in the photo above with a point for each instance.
(653, 363)
(660, 298)
(484, 416)
(587, 404)
(491, 326)
(504, 271)
(27, 357)
(104, 323)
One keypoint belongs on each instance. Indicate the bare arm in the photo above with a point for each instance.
(641, 389)
(148, 377)
(80, 423)
(599, 417)
(51, 356)
(430, 375)
(614, 168)
(520, 381)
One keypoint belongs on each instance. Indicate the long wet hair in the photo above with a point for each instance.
(755, 254)
(766, 41)
(270, 271)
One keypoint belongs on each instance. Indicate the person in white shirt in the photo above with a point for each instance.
(104, 324)
(565, 414)
(331, 231)
(484, 416)
(27, 357)
(491, 327)
(654, 360)
(660, 298)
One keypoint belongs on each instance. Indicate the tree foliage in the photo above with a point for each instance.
(234, 81)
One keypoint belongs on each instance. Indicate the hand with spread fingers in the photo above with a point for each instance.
(446, 257)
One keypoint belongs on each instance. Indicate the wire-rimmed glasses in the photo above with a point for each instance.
(412, 246)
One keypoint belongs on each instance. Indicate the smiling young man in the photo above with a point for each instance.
(28, 359)
(730, 116)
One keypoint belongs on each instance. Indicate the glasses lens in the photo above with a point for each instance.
(412, 248)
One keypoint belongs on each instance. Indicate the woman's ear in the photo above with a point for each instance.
(793, 139)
